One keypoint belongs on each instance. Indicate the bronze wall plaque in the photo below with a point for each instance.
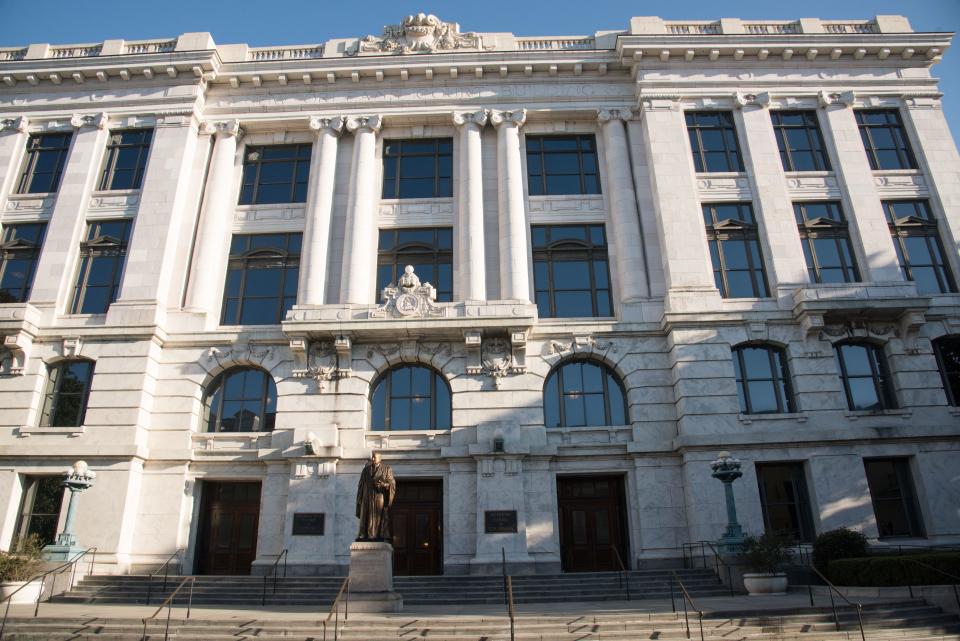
(500, 521)
(308, 523)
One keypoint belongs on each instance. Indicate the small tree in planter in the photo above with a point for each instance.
(767, 555)
(18, 567)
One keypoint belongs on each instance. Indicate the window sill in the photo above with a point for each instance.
(854, 415)
(747, 419)
(228, 441)
(115, 192)
(405, 201)
(577, 319)
(26, 431)
(550, 197)
(721, 174)
(897, 172)
(809, 174)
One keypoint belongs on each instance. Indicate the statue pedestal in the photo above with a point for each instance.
(371, 578)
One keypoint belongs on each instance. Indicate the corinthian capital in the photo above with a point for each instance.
(516, 117)
(471, 117)
(372, 123)
(333, 124)
(611, 115)
(99, 120)
(20, 123)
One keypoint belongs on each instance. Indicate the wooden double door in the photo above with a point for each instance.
(592, 523)
(416, 527)
(229, 517)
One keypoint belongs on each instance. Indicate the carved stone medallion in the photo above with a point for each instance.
(422, 33)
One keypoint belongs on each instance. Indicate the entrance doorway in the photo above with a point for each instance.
(592, 523)
(227, 539)
(416, 525)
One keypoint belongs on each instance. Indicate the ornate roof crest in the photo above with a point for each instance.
(408, 298)
(421, 33)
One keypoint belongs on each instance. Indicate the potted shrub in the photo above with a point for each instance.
(18, 567)
(767, 555)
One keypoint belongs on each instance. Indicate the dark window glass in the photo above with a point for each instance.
(428, 249)
(68, 387)
(784, 500)
(579, 393)
(39, 509)
(864, 375)
(275, 174)
(242, 399)
(558, 165)
(19, 252)
(713, 140)
(917, 242)
(419, 168)
(410, 397)
(885, 139)
(826, 243)
(947, 349)
(571, 276)
(126, 159)
(894, 501)
(763, 381)
(735, 250)
(102, 256)
(43, 166)
(800, 141)
(262, 276)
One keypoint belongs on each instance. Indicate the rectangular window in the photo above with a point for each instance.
(735, 250)
(20, 246)
(713, 140)
(894, 501)
(428, 249)
(420, 168)
(571, 275)
(558, 165)
(102, 257)
(917, 241)
(43, 166)
(39, 509)
(275, 174)
(784, 500)
(800, 141)
(126, 159)
(885, 140)
(262, 278)
(826, 243)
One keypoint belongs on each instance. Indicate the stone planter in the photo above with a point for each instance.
(28, 594)
(764, 583)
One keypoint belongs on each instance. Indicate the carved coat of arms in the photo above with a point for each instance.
(421, 33)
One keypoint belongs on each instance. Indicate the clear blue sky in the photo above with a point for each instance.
(269, 22)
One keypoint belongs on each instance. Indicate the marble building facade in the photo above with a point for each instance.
(719, 226)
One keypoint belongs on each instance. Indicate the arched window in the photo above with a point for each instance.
(242, 399)
(947, 349)
(763, 381)
(580, 393)
(68, 388)
(410, 397)
(864, 375)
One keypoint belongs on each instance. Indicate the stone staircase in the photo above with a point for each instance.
(910, 620)
(233, 591)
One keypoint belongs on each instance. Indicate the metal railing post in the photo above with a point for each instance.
(503, 571)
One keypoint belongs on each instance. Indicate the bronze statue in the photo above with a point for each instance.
(375, 494)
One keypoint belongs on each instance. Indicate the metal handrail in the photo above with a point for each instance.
(952, 577)
(726, 566)
(335, 611)
(168, 604)
(510, 611)
(718, 561)
(165, 567)
(833, 605)
(503, 571)
(42, 577)
(686, 599)
(273, 573)
(623, 574)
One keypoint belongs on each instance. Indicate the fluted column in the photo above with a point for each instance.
(213, 236)
(514, 270)
(624, 229)
(356, 284)
(316, 231)
(470, 236)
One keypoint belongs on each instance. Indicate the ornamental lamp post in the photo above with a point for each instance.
(726, 469)
(77, 479)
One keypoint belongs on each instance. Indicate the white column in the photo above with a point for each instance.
(779, 235)
(470, 236)
(624, 232)
(13, 142)
(58, 259)
(868, 224)
(514, 250)
(316, 231)
(213, 236)
(359, 243)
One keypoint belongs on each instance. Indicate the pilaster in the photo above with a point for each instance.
(358, 266)
(470, 254)
(514, 233)
(13, 142)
